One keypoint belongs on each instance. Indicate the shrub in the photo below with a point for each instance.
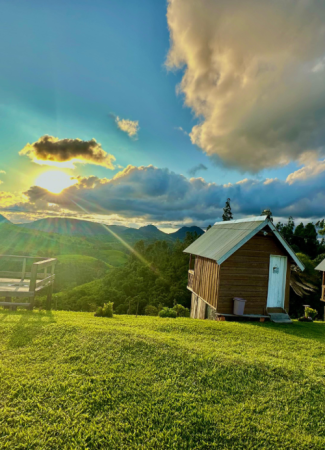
(181, 311)
(108, 309)
(151, 310)
(168, 312)
(310, 312)
(99, 312)
(105, 311)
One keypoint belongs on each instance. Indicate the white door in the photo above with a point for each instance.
(277, 281)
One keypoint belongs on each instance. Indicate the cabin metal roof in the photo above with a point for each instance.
(224, 238)
(321, 266)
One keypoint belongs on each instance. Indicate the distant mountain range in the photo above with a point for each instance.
(76, 227)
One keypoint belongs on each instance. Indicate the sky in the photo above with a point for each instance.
(157, 112)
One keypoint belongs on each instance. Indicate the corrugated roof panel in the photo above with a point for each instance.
(321, 266)
(223, 237)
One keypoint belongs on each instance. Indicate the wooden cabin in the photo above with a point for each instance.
(19, 287)
(244, 258)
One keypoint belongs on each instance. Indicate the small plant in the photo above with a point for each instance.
(168, 312)
(310, 312)
(181, 311)
(105, 311)
(151, 310)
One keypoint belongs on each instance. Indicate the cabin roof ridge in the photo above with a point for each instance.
(247, 219)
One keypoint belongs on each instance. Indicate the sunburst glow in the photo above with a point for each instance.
(54, 181)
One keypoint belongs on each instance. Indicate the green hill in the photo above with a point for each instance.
(74, 381)
(17, 240)
(74, 270)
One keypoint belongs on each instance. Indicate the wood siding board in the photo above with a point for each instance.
(246, 274)
(205, 279)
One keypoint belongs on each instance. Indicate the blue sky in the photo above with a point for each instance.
(69, 67)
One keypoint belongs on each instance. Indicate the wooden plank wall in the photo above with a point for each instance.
(246, 274)
(205, 283)
(198, 308)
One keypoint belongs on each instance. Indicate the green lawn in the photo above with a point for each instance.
(73, 381)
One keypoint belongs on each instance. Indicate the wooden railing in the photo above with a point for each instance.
(190, 279)
(47, 280)
(37, 272)
(22, 274)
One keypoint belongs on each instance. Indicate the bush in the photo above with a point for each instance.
(99, 312)
(168, 312)
(310, 312)
(105, 311)
(181, 311)
(151, 310)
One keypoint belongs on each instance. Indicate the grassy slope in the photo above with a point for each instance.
(75, 270)
(22, 241)
(73, 381)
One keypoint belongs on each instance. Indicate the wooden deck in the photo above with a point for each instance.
(25, 285)
(12, 287)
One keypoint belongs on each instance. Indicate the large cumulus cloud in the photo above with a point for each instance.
(254, 73)
(159, 195)
(49, 149)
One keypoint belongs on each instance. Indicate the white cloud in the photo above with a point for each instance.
(182, 130)
(319, 66)
(130, 127)
(248, 77)
(311, 170)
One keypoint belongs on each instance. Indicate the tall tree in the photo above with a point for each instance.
(227, 214)
(287, 229)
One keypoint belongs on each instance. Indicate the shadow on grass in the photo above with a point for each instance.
(29, 326)
(303, 330)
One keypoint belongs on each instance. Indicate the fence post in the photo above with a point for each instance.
(24, 270)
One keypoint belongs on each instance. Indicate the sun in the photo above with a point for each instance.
(54, 181)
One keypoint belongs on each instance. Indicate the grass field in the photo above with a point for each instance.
(73, 381)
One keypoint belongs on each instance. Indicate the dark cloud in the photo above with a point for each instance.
(54, 150)
(192, 172)
(160, 195)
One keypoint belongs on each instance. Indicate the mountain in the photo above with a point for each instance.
(71, 227)
(3, 219)
(152, 232)
(105, 233)
(181, 233)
